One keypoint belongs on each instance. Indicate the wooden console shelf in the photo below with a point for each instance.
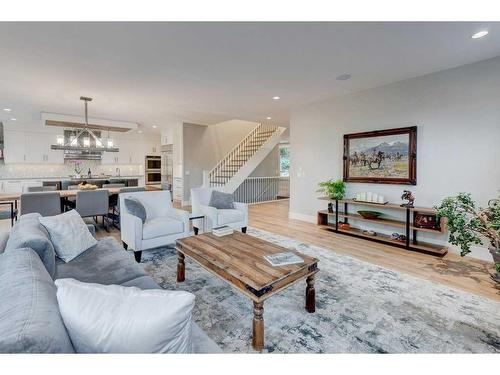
(410, 230)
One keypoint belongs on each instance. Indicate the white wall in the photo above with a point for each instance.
(457, 112)
(204, 146)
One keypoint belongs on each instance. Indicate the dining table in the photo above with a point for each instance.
(12, 199)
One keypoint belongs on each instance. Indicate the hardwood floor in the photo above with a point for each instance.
(467, 274)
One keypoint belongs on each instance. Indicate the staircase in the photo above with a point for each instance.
(241, 161)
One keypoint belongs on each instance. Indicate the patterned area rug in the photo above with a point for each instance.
(360, 308)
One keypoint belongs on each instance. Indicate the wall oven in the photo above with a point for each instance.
(153, 170)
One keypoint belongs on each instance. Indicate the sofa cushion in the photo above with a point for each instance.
(229, 216)
(28, 232)
(29, 314)
(161, 226)
(221, 200)
(136, 208)
(69, 234)
(117, 319)
(106, 263)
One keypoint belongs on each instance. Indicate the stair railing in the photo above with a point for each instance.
(240, 154)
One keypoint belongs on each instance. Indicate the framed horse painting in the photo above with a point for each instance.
(382, 156)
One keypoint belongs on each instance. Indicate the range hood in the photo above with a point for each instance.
(83, 143)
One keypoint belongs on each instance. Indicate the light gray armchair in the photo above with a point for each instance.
(164, 224)
(45, 203)
(93, 203)
(236, 218)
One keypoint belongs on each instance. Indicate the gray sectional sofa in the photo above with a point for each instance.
(29, 315)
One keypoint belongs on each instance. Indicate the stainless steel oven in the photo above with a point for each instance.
(153, 170)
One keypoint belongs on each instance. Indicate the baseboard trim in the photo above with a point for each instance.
(302, 217)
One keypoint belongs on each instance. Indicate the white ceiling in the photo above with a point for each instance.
(152, 73)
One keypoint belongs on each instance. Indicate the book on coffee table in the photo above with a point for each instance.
(222, 231)
(283, 259)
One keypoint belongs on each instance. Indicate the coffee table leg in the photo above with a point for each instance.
(310, 295)
(258, 326)
(180, 267)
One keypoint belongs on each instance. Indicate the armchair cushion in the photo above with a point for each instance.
(161, 226)
(136, 208)
(221, 200)
(229, 216)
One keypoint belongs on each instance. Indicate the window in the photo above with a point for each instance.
(284, 160)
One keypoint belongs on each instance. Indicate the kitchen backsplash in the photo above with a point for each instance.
(66, 169)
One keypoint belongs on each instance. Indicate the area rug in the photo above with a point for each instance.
(360, 308)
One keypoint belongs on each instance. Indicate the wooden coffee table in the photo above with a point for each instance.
(239, 260)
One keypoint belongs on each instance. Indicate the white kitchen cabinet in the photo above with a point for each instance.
(14, 146)
(22, 147)
(152, 148)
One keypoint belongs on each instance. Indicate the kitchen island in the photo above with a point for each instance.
(63, 184)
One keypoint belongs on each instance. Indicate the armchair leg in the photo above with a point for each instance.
(138, 255)
(195, 231)
(244, 229)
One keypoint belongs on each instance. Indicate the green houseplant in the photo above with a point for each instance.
(333, 189)
(469, 225)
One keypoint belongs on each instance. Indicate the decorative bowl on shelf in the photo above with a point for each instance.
(370, 214)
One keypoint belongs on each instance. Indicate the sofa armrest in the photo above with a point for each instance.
(131, 231)
(180, 215)
(210, 215)
(241, 206)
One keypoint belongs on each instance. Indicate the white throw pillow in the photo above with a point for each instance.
(117, 319)
(69, 234)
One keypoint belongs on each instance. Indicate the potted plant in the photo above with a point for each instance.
(333, 189)
(469, 225)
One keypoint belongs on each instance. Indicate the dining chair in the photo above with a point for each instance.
(11, 213)
(70, 203)
(45, 203)
(93, 203)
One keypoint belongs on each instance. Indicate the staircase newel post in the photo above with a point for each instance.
(206, 179)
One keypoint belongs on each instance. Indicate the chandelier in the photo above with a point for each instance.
(81, 141)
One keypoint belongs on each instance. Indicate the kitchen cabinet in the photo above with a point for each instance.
(22, 147)
(38, 149)
(14, 146)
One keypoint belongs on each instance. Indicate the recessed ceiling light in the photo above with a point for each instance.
(276, 98)
(13, 119)
(480, 34)
(344, 77)
(7, 109)
(154, 126)
(269, 118)
(139, 131)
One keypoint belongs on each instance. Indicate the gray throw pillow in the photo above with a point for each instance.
(221, 201)
(136, 208)
(69, 234)
(28, 232)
